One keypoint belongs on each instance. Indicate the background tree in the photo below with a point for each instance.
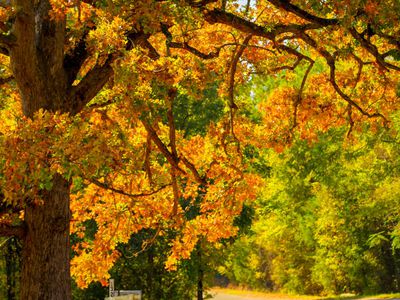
(324, 223)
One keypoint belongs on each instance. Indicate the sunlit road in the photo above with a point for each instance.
(222, 296)
(235, 297)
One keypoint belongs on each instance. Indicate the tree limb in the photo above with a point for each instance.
(372, 49)
(73, 61)
(298, 100)
(139, 38)
(201, 3)
(289, 7)
(172, 143)
(99, 75)
(391, 39)
(122, 192)
(350, 119)
(90, 85)
(194, 51)
(160, 145)
(147, 164)
(330, 59)
(194, 171)
(234, 63)
(173, 161)
(347, 98)
(248, 27)
(4, 51)
(287, 67)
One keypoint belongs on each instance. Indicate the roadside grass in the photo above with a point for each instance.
(278, 296)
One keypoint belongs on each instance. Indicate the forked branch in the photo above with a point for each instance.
(172, 160)
(372, 49)
(330, 60)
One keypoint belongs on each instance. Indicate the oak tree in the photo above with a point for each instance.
(89, 89)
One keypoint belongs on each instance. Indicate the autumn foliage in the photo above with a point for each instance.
(114, 132)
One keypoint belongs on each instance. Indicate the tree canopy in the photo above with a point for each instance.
(127, 113)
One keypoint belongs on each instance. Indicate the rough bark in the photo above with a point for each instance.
(37, 58)
(37, 62)
(45, 255)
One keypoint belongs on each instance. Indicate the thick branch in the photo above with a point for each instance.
(245, 26)
(360, 68)
(295, 53)
(4, 51)
(286, 5)
(232, 105)
(223, 17)
(99, 75)
(288, 67)
(303, 82)
(350, 119)
(73, 61)
(300, 57)
(90, 85)
(170, 44)
(391, 39)
(215, 53)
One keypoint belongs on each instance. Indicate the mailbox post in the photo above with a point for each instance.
(111, 287)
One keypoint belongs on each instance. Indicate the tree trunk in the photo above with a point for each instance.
(200, 286)
(45, 254)
(13, 258)
(37, 61)
(45, 75)
(200, 275)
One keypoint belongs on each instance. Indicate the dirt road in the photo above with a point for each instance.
(220, 295)
(223, 295)
(234, 297)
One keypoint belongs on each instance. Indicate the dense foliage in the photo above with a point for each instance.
(327, 220)
(126, 114)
